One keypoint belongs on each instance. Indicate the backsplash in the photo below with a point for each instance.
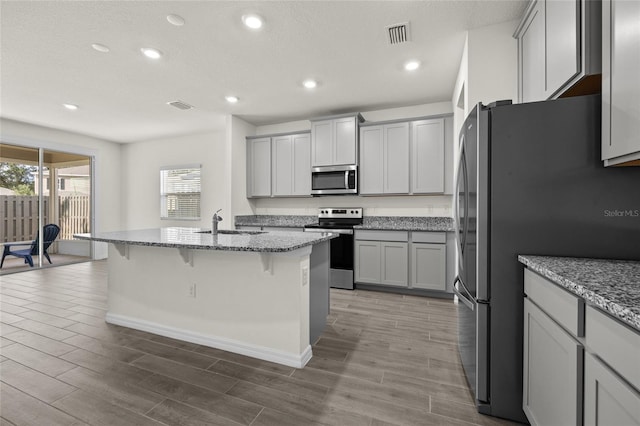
(439, 205)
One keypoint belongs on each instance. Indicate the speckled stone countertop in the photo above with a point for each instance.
(276, 221)
(611, 285)
(192, 238)
(380, 223)
(407, 223)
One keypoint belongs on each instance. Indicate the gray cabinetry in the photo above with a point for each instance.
(291, 165)
(428, 260)
(427, 156)
(531, 54)
(381, 257)
(620, 88)
(608, 400)
(612, 371)
(566, 382)
(259, 167)
(558, 46)
(551, 368)
(384, 159)
(279, 166)
(334, 140)
(413, 260)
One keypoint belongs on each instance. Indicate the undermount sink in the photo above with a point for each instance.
(234, 232)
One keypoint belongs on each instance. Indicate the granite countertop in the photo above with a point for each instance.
(380, 223)
(407, 223)
(192, 238)
(611, 285)
(276, 221)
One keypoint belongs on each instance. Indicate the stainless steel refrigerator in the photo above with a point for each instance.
(530, 181)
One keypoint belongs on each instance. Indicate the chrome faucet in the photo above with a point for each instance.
(216, 219)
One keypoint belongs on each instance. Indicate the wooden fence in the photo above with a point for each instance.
(19, 216)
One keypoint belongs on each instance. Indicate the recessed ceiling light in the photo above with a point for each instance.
(310, 84)
(71, 107)
(412, 65)
(100, 47)
(176, 20)
(232, 99)
(152, 53)
(252, 21)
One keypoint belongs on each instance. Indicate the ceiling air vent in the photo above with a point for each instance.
(399, 33)
(180, 105)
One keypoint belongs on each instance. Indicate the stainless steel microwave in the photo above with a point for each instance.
(329, 180)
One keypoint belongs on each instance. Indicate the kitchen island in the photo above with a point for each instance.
(260, 294)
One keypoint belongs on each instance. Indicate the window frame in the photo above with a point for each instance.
(165, 193)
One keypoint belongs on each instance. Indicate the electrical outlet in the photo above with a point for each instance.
(192, 290)
(305, 276)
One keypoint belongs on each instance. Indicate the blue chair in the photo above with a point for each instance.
(50, 233)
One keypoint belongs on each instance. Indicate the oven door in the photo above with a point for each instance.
(341, 257)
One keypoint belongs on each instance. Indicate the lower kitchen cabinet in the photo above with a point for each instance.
(552, 393)
(608, 400)
(428, 266)
(381, 262)
(566, 382)
(413, 260)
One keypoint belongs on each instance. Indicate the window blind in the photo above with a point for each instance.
(180, 193)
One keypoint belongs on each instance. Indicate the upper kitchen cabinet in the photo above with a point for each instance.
(427, 156)
(259, 167)
(334, 140)
(279, 165)
(384, 159)
(620, 88)
(559, 49)
(291, 165)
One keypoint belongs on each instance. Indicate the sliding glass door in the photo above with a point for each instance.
(45, 198)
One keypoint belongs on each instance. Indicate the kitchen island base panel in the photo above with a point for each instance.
(223, 299)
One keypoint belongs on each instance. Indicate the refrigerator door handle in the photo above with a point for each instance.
(467, 300)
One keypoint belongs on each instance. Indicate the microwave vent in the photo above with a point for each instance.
(398, 33)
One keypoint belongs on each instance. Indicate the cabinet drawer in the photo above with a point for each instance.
(402, 236)
(565, 308)
(615, 343)
(429, 237)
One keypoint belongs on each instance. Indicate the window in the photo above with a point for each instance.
(180, 192)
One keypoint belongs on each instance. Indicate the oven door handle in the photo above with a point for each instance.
(333, 231)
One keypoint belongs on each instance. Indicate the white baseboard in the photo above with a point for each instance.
(254, 351)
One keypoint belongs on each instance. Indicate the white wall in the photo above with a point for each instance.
(237, 131)
(141, 163)
(108, 171)
(438, 205)
(492, 64)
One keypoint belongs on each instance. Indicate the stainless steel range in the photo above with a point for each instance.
(339, 221)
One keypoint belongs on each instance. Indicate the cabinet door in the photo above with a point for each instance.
(395, 265)
(532, 56)
(608, 400)
(396, 158)
(344, 138)
(301, 145)
(259, 167)
(282, 166)
(562, 46)
(552, 370)
(321, 143)
(620, 88)
(371, 162)
(428, 266)
(367, 262)
(427, 154)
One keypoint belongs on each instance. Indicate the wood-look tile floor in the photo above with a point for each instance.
(384, 359)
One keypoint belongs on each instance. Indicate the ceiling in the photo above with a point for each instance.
(47, 60)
